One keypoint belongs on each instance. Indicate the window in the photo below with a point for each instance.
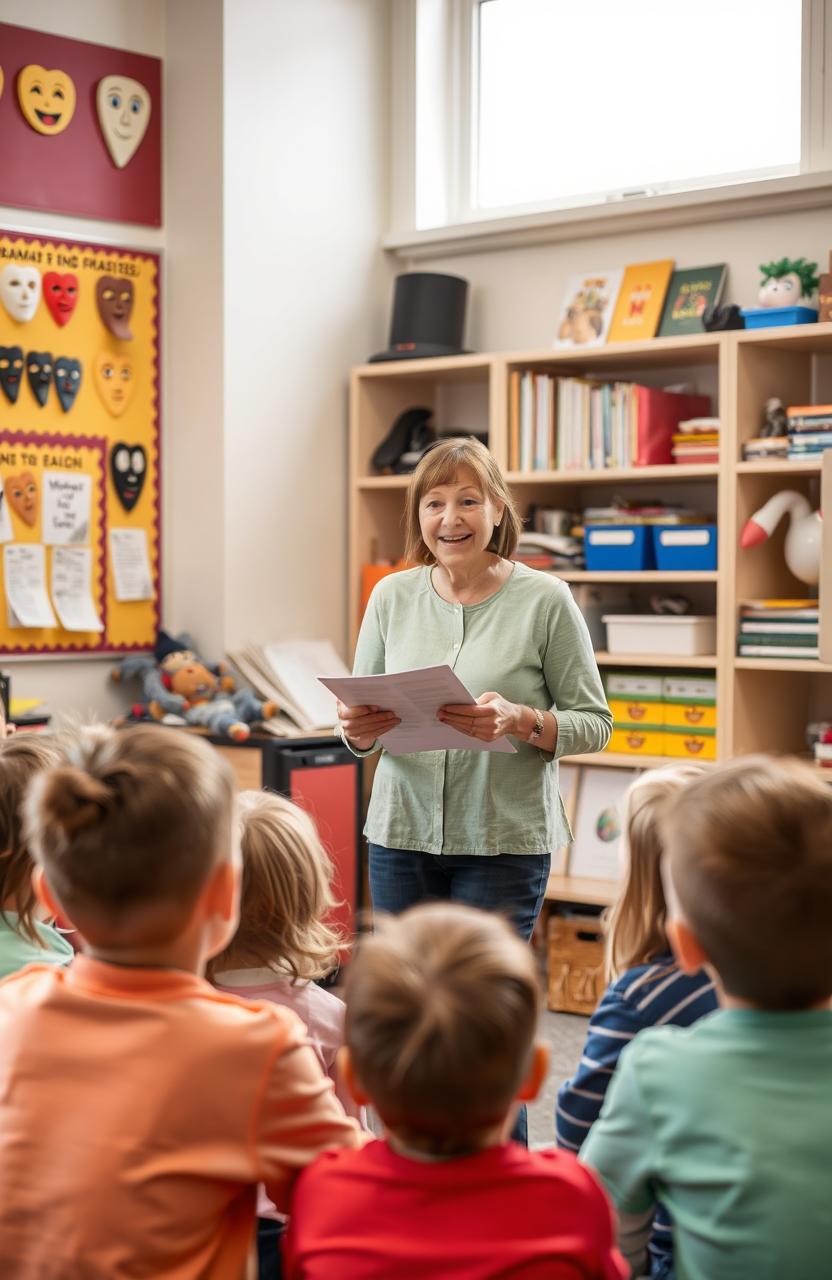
(521, 107)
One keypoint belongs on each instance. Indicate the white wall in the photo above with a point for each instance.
(306, 294)
(516, 294)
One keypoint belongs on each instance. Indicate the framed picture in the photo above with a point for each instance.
(594, 852)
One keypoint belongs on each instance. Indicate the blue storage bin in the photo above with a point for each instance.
(618, 546)
(685, 546)
(770, 317)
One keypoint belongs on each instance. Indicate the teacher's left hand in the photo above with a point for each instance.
(488, 719)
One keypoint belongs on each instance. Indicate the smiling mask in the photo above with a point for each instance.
(60, 293)
(114, 381)
(47, 98)
(114, 299)
(11, 372)
(67, 380)
(39, 373)
(123, 114)
(20, 291)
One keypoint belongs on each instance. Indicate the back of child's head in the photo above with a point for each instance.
(750, 861)
(635, 925)
(21, 758)
(442, 1010)
(129, 828)
(286, 893)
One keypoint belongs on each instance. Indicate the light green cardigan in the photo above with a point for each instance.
(527, 642)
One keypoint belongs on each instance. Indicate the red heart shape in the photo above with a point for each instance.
(60, 293)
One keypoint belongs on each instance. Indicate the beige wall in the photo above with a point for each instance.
(516, 294)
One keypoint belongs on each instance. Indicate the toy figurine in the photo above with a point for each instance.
(775, 421)
(788, 282)
(801, 548)
(179, 687)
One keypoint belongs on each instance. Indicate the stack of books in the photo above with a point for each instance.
(778, 629)
(696, 440)
(810, 430)
(765, 447)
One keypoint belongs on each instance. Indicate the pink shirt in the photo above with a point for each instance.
(504, 1212)
(139, 1109)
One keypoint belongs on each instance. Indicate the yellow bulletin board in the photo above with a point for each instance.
(80, 552)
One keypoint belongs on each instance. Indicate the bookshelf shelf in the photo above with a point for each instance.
(641, 575)
(617, 475)
(623, 760)
(763, 704)
(596, 893)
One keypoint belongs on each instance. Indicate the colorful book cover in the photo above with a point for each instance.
(587, 308)
(640, 301)
(691, 291)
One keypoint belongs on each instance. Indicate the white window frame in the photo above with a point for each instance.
(468, 229)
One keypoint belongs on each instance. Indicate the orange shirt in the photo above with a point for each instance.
(139, 1108)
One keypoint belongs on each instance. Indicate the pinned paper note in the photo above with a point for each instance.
(6, 530)
(71, 591)
(131, 564)
(24, 566)
(66, 508)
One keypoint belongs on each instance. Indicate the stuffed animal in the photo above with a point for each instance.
(178, 686)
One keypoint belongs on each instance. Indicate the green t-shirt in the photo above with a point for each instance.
(17, 950)
(527, 642)
(729, 1124)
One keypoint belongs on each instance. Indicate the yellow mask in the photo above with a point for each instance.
(47, 98)
(114, 381)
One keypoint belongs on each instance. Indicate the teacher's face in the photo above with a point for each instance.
(458, 519)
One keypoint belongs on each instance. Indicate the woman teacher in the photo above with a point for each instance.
(474, 826)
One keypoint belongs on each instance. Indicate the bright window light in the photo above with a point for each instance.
(584, 100)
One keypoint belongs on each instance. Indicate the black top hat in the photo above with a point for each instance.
(428, 316)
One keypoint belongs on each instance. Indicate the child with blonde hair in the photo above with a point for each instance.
(442, 1012)
(647, 986)
(283, 944)
(25, 938)
(728, 1122)
(140, 1107)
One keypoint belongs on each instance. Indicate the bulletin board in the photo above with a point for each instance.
(79, 447)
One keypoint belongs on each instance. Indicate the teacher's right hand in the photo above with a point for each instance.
(362, 725)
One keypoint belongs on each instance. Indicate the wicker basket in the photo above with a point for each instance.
(575, 964)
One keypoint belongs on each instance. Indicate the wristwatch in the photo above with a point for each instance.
(537, 731)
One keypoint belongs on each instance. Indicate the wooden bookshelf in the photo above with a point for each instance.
(764, 704)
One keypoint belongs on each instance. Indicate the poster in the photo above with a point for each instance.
(80, 434)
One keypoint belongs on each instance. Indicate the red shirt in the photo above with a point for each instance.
(504, 1212)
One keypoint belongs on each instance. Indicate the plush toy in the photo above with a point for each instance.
(787, 282)
(177, 686)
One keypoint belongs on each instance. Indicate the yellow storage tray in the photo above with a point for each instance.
(638, 740)
(685, 744)
(690, 715)
(636, 711)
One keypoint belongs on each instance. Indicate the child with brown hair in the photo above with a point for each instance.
(282, 945)
(141, 1107)
(647, 986)
(442, 1010)
(24, 937)
(728, 1122)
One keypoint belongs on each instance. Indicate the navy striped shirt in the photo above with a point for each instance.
(649, 995)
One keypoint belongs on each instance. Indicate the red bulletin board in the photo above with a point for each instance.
(73, 171)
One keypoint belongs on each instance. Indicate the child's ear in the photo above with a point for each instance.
(536, 1074)
(221, 895)
(44, 894)
(685, 946)
(343, 1064)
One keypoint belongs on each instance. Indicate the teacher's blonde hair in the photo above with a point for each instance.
(441, 465)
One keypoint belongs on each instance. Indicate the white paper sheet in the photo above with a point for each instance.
(24, 566)
(6, 531)
(66, 508)
(71, 589)
(131, 564)
(415, 696)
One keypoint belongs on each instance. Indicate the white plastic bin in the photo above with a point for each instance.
(660, 633)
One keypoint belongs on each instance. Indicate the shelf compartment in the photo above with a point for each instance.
(616, 475)
(638, 575)
(702, 661)
(773, 702)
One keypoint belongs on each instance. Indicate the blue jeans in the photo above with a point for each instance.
(513, 883)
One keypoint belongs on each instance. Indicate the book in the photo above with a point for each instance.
(287, 673)
(778, 602)
(658, 413)
(776, 651)
(794, 638)
(587, 308)
(766, 627)
(691, 290)
(640, 301)
(514, 421)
